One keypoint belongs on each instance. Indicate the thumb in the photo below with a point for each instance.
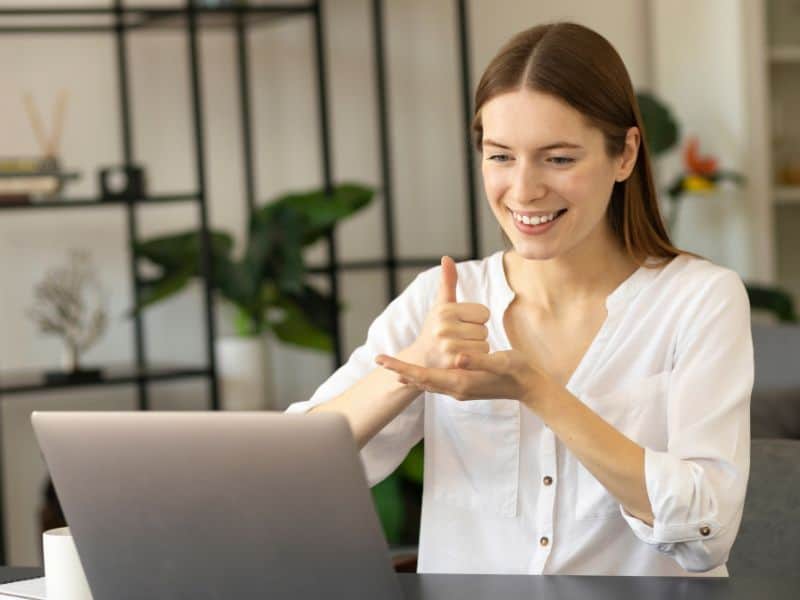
(447, 283)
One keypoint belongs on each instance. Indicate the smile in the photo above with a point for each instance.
(537, 219)
(536, 224)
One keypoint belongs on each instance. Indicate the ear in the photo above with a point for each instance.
(629, 154)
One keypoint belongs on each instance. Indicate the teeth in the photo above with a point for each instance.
(534, 220)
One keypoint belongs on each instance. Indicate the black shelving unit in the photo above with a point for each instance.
(120, 20)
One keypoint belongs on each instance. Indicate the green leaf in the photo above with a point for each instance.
(316, 306)
(661, 131)
(723, 175)
(296, 328)
(288, 266)
(178, 255)
(260, 244)
(245, 325)
(388, 499)
(177, 251)
(676, 189)
(773, 299)
(412, 467)
(236, 285)
(320, 212)
(162, 288)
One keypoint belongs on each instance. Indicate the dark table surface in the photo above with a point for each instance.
(568, 587)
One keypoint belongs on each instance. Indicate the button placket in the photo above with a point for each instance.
(548, 465)
(541, 552)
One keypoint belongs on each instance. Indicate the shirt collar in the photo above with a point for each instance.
(619, 298)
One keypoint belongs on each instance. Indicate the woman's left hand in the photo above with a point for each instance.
(507, 374)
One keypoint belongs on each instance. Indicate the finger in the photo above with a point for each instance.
(400, 367)
(463, 331)
(415, 384)
(430, 379)
(448, 281)
(471, 312)
(496, 362)
(455, 348)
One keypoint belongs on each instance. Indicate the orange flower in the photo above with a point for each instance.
(696, 164)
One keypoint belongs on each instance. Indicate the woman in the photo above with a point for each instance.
(584, 395)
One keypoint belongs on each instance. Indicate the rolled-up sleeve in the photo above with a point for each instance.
(697, 486)
(396, 328)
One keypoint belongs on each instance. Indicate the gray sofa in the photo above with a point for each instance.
(775, 404)
(768, 542)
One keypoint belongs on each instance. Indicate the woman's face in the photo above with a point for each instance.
(540, 158)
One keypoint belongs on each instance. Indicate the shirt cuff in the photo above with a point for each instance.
(300, 407)
(670, 486)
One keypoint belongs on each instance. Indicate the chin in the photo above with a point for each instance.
(532, 251)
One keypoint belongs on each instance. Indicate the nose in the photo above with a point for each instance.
(528, 184)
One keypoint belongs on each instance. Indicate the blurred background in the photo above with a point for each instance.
(124, 124)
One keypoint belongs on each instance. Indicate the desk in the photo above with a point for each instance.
(566, 587)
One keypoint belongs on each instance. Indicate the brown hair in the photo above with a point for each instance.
(579, 66)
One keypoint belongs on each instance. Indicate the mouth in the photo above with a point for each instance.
(536, 225)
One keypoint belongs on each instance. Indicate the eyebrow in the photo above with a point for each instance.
(548, 147)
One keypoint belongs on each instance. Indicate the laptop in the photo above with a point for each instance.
(217, 505)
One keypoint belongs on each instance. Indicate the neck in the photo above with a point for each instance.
(584, 275)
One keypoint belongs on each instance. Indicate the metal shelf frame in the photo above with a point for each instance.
(121, 20)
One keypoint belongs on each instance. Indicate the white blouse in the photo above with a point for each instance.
(671, 368)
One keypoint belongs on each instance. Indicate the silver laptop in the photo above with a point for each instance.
(217, 505)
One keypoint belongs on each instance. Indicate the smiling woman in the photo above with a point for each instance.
(583, 395)
(555, 111)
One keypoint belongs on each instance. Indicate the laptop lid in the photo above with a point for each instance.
(217, 505)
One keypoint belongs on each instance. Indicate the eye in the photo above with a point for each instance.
(561, 160)
(499, 157)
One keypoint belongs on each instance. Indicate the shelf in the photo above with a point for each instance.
(30, 19)
(21, 382)
(785, 54)
(367, 265)
(787, 195)
(67, 203)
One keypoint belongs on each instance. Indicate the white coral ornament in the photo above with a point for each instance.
(71, 303)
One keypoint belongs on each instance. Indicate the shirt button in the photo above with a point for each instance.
(704, 530)
(544, 541)
(547, 480)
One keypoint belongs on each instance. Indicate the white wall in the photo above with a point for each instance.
(702, 68)
(428, 172)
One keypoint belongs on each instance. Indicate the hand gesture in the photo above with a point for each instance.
(451, 328)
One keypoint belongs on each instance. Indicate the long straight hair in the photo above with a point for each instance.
(582, 68)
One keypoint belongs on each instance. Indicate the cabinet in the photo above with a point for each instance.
(782, 93)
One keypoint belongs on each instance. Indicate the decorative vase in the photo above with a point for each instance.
(716, 225)
(243, 371)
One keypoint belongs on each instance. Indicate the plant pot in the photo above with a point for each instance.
(716, 226)
(243, 371)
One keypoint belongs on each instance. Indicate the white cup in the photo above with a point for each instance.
(64, 576)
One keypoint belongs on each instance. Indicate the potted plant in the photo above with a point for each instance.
(267, 285)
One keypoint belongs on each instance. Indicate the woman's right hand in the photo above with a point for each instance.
(451, 327)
